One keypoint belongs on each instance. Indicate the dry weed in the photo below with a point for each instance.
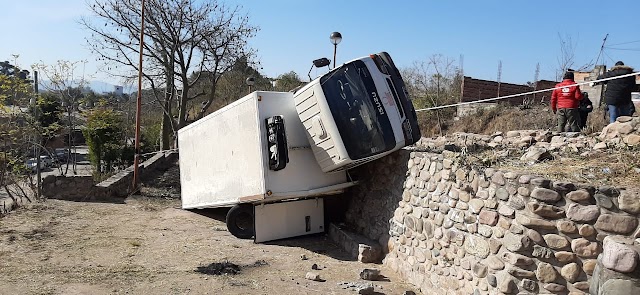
(503, 118)
(620, 168)
(135, 243)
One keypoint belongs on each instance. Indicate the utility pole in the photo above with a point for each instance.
(461, 77)
(601, 48)
(604, 69)
(136, 158)
(35, 111)
(499, 75)
(535, 80)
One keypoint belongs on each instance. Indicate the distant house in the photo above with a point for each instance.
(118, 90)
(595, 92)
(477, 90)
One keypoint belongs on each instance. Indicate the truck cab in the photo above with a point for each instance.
(356, 113)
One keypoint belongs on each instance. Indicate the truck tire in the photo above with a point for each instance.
(240, 221)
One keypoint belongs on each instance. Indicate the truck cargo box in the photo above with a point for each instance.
(225, 156)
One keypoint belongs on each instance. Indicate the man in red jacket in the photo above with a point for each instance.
(565, 102)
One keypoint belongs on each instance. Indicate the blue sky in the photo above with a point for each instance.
(294, 32)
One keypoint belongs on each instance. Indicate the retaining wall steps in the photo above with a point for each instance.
(83, 188)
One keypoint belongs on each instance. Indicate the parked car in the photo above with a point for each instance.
(62, 155)
(32, 165)
(48, 162)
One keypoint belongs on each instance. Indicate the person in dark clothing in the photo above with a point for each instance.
(585, 107)
(565, 102)
(618, 93)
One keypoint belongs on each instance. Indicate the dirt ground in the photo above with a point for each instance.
(150, 246)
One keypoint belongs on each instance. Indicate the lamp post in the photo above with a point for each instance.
(335, 38)
(250, 82)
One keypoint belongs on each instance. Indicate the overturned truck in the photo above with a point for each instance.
(272, 156)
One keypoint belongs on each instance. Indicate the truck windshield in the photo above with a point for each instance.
(357, 110)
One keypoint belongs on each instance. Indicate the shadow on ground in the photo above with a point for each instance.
(318, 243)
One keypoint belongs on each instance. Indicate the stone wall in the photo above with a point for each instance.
(119, 184)
(74, 188)
(83, 188)
(449, 227)
(430, 182)
(617, 270)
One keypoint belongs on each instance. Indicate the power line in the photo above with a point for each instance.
(636, 41)
(626, 49)
(607, 55)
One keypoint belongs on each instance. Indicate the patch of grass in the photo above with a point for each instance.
(151, 204)
(258, 263)
(596, 121)
(41, 206)
(147, 207)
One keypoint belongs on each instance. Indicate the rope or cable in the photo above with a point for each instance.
(475, 101)
(521, 94)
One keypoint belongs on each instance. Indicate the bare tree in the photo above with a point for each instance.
(566, 59)
(433, 83)
(181, 37)
(66, 82)
(567, 55)
(17, 133)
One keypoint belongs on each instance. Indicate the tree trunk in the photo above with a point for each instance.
(166, 130)
(182, 106)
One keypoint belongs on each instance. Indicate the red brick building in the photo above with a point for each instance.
(476, 89)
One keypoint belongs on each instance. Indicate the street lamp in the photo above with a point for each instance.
(250, 81)
(335, 38)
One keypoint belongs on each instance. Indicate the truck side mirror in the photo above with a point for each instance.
(277, 143)
(321, 62)
(318, 63)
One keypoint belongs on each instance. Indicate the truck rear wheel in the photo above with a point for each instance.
(240, 221)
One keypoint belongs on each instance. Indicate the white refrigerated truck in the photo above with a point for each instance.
(272, 156)
(255, 152)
